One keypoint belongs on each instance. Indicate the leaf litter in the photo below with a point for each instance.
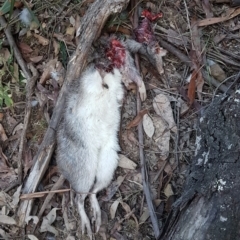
(165, 122)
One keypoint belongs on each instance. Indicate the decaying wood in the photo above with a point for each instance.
(91, 26)
(209, 205)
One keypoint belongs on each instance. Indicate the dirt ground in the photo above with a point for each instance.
(202, 61)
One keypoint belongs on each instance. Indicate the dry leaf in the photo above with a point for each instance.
(34, 218)
(125, 162)
(1, 116)
(42, 40)
(16, 197)
(3, 135)
(231, 13)
(48, 220)
(137, 119)
(36, 59)
(32, 237)
(114, 207)
(4, 199)
(148, 125)
(145, 215)
(56, 47)
(70, 31)
(24, 48)
(4, 235)
(176, 38)
(162, 107)
(161, 137)
(112, 189)
(168, 190)
(7, 220)
(72, 21)
(192, 87)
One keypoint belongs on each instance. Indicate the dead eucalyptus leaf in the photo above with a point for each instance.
(16, 197)
(32, 237)
(161, 136)
(114, 207)
(168, 190)
(148, 125)
(162, 107)
(3, 135)
(125, 162)
(42, 40)
(137, 119)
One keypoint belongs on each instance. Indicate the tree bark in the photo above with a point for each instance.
(91, 27)
(209, 207)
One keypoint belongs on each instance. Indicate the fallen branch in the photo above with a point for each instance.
(91, 26)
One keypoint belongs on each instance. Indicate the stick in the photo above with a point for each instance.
(146, 189)
(16, 52)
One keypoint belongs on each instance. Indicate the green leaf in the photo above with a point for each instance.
(5, 7)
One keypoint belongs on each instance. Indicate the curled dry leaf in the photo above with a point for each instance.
(137, 119)
(148, 125)
(125, 162)
(162, 107)
(42, 40)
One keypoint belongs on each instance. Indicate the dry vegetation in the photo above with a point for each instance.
(202, 40)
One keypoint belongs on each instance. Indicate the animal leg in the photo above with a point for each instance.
(108, 160)
(84, 218)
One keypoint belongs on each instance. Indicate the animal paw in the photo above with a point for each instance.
(96, 220)
(86, 225)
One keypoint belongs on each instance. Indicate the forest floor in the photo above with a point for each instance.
(202, 61)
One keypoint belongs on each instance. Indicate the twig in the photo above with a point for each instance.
(29, 91)
(16, 51)
(146, 189)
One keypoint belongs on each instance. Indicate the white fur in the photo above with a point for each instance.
(87, 139)
(25, 17)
